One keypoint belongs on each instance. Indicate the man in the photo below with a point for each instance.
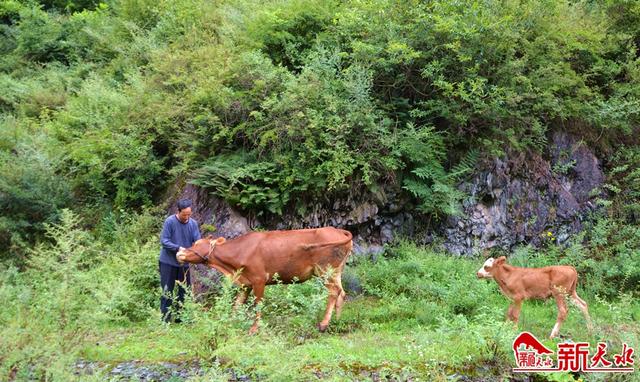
(179, 231)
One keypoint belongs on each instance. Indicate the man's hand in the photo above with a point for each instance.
(179, 255)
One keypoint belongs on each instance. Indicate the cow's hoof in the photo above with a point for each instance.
(322, 328)
(253, 331)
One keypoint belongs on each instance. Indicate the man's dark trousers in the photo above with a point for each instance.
(168, 276)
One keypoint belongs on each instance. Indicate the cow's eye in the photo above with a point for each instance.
(486, 267)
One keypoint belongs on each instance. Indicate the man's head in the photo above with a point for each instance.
(184, 210)
(489, 268)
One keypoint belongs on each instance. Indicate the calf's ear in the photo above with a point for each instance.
(220, 240)
(209, 237)
(501, 260)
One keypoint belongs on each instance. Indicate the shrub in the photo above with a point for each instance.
(31, 192)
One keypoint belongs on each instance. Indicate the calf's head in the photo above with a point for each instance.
(488, 269)
(200, 251)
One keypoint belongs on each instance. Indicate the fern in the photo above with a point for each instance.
(428, 181)
(465, 166)
(244, 182)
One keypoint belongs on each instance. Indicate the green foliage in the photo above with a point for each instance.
(430, 183)
(287, 34)
(73, 284)
(448, 283)
(624, 184)
(614, 257)
(31, 192)
(244, 182)
(300, 100)
(69, 5)
(508, 68)
(49, 303)
(319, 133)
(40, 36)
(109, 157)
(626, 18)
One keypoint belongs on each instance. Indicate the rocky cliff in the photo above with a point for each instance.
(518, 199)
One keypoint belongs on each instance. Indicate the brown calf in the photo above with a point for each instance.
(520, 284)
(256, 258)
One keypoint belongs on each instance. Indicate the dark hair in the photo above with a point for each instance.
(183, 203)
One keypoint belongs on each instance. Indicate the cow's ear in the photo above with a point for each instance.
(220, 240)
(209, 237)
(501, 259)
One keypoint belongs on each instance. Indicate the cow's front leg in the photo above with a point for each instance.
(242, 296)
(258, 292)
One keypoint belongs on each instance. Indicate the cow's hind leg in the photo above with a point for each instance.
(582, 305)
(562, 314)
(340, 303)
(341, 296)
(258, 292)
(335, 290)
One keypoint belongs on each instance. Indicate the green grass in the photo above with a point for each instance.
(149, 341)
(416, 320)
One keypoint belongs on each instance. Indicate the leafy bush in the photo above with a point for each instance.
(429, 182)
(31, 192)
(40, 36)
(111, 158)
(624, 184)
(74, 284)
(320, 133)
(288, 34)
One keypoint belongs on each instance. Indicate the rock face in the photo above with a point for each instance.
(522, 198)
(527, 199)
(374, 221)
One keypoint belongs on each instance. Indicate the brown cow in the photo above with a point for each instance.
(520, 284)
(295, 256)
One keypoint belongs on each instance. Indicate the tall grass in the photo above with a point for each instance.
(423, 315)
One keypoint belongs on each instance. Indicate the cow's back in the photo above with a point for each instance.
(293, 255)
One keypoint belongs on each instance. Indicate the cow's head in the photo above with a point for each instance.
(200, 251)
(488, 269)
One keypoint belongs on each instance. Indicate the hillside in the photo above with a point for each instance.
(430, 129)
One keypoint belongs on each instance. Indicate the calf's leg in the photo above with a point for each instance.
(582, 305)
(340, 303)
(562, 314)
(514, 311)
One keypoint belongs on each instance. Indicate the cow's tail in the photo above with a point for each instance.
(348, 239)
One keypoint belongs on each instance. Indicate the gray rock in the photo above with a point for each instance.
(515, 199)
(386, 233)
